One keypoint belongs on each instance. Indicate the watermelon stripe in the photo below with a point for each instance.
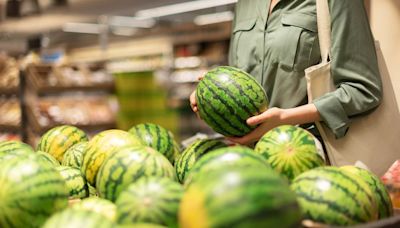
(159, 139)
(148, 132)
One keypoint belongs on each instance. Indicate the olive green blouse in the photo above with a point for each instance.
(276, 49)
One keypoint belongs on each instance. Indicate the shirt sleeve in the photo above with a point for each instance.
(354, 67)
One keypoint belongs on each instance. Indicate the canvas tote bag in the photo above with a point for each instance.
(373, 139)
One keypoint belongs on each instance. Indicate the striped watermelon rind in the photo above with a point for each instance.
(46, 157)
(75, 182)
(12, 149)
(329, 195)
(192, 153)
(126, 166)
(73, 157)
(74, 218)
(227, 97)
(59, 139)
(98, 205)
(156, 137)
(290, 150)
(31, 190)
(378, 189)
(225, 158)
(150, 200)
(100, 147)
(240, 197)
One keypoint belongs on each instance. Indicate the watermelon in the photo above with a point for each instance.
(74, 218)
(150, 200)
(330, 195)
(75, 181)
(46, 157)
(227, 97)
(73, 157)
(98, 205)
(290, 150)
(92, 190)
(240, 197)
(100, 147)
(192, 153)
(156, 137)
(378, 189)
(11, 149)
(224, 158)
(141, 225)
(59, 139)
(31, 190)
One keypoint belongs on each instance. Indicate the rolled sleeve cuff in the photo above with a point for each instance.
(332, 114)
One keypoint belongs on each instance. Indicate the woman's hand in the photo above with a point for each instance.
(192, 100)
(275, 117)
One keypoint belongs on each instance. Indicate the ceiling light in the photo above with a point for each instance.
(182, 8)
(214, 18)
(82, 28)
(132, 22)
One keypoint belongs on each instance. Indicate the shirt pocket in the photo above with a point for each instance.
(243, 46)
(300, 32)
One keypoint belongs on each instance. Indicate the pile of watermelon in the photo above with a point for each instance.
(142, 178)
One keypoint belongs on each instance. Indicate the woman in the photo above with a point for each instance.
(276, 40)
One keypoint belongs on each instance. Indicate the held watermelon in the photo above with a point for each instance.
(239, 197)
(73, 157)
(378, 190)
(192, 153)
(100, 147)
(98, 205)
(330, 195)
(150, 200)
(126, 166)
(31, 190)
(59, 139)
(156, 137)
(75, 181)
(227, 97)
(290, 150)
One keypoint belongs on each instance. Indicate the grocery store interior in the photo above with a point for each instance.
(101, 64)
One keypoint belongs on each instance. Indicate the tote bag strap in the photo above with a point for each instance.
(324, 29)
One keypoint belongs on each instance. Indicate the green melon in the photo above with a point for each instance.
(290, 150)
(240, 197)
(100, 147)
(59, 139)
(150, 200)
(378, 190)
(192, 153)
(330, 195)
(224, 158)
(156, 137)
(75, 181)
(12, 149)
(126, 166)
(73, 157)
(46, 157)
(92, 190)
(31, 190)
(98, 205)
(73, 218)
(227, 97)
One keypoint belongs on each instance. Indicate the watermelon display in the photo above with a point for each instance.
(224, 158)
(227, 97)
(150, 200)
(59, 139)
(192, 153)
(98, 205)
(290, 150)
(75, 181)
(73, 218)
(126, 166)
(156, 137)
(46, 157)
(378, 190)
(11, 149)
(31, 190)
(240, 197)
(330, 195)
(73, 157)
(100, 147)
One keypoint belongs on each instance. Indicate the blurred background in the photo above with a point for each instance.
(100, 64)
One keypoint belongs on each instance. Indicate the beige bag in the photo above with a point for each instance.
(373, 139)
